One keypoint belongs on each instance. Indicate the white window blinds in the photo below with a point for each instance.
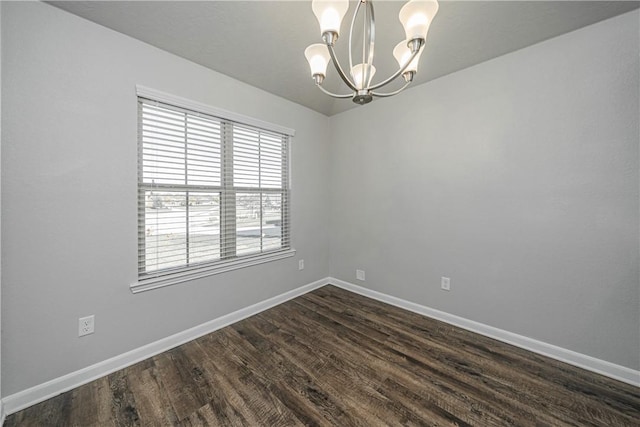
(210, 191)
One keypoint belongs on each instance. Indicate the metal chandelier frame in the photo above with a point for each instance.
(363, 91)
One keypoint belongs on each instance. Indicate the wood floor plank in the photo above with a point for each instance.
(232, 405)
(183, 391)
(315, 366)
(244, 373)
(224, 406)
(334, 358)
(152, 402)
(123, 405)
(91, 404)
(308, 401)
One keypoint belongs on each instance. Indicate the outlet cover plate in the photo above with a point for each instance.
(445, 283)
(360, 275)
(86, 325)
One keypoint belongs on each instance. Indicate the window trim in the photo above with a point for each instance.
(149, 283)
(168, 278)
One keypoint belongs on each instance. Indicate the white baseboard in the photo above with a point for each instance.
(42, 392)
(611, 370)
(39, 393)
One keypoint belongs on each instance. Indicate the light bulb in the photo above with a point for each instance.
(402, 53)
(357, 74)
(318, 57)
(416, 16)
(329, 14)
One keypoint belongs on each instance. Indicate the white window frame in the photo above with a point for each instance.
(153, 280)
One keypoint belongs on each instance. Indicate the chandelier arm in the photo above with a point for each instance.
(364, 74)
(350, 95)
(353, 24)
(370, 15)
(338, 68)
(372, 38)
(384, 95)
(397, 73)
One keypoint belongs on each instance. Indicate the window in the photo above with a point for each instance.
(212, 193)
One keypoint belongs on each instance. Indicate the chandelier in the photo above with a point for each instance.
(415, 16)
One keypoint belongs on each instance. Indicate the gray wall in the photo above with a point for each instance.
(69, 123)
(518, 179)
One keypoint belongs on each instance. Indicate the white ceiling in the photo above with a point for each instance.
(262, 42)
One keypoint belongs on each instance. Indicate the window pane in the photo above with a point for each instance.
(248, 221)
(204, 227)
(163, 153)
(271, 222)
(203, 151)
(271, 161)
(246, 157)
(165, 230)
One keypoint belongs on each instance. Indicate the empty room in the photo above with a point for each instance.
(332, 213)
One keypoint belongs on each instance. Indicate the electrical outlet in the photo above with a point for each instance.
(86, 325)
(360, 275)
(301, 264)
(445, 283)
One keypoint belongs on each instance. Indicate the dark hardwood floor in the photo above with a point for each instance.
(336, 358)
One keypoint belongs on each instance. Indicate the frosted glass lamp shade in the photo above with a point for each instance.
(329, 14)
(416, 16)
(318, 57)
(357, 74)
(402, 53)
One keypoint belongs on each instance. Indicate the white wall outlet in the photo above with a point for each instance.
(360, 275)
(445, 283)
(85, 325)
(301, 264)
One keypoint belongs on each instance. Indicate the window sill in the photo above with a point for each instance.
(148, 284)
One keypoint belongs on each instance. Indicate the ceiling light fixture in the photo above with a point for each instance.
(415, 16)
